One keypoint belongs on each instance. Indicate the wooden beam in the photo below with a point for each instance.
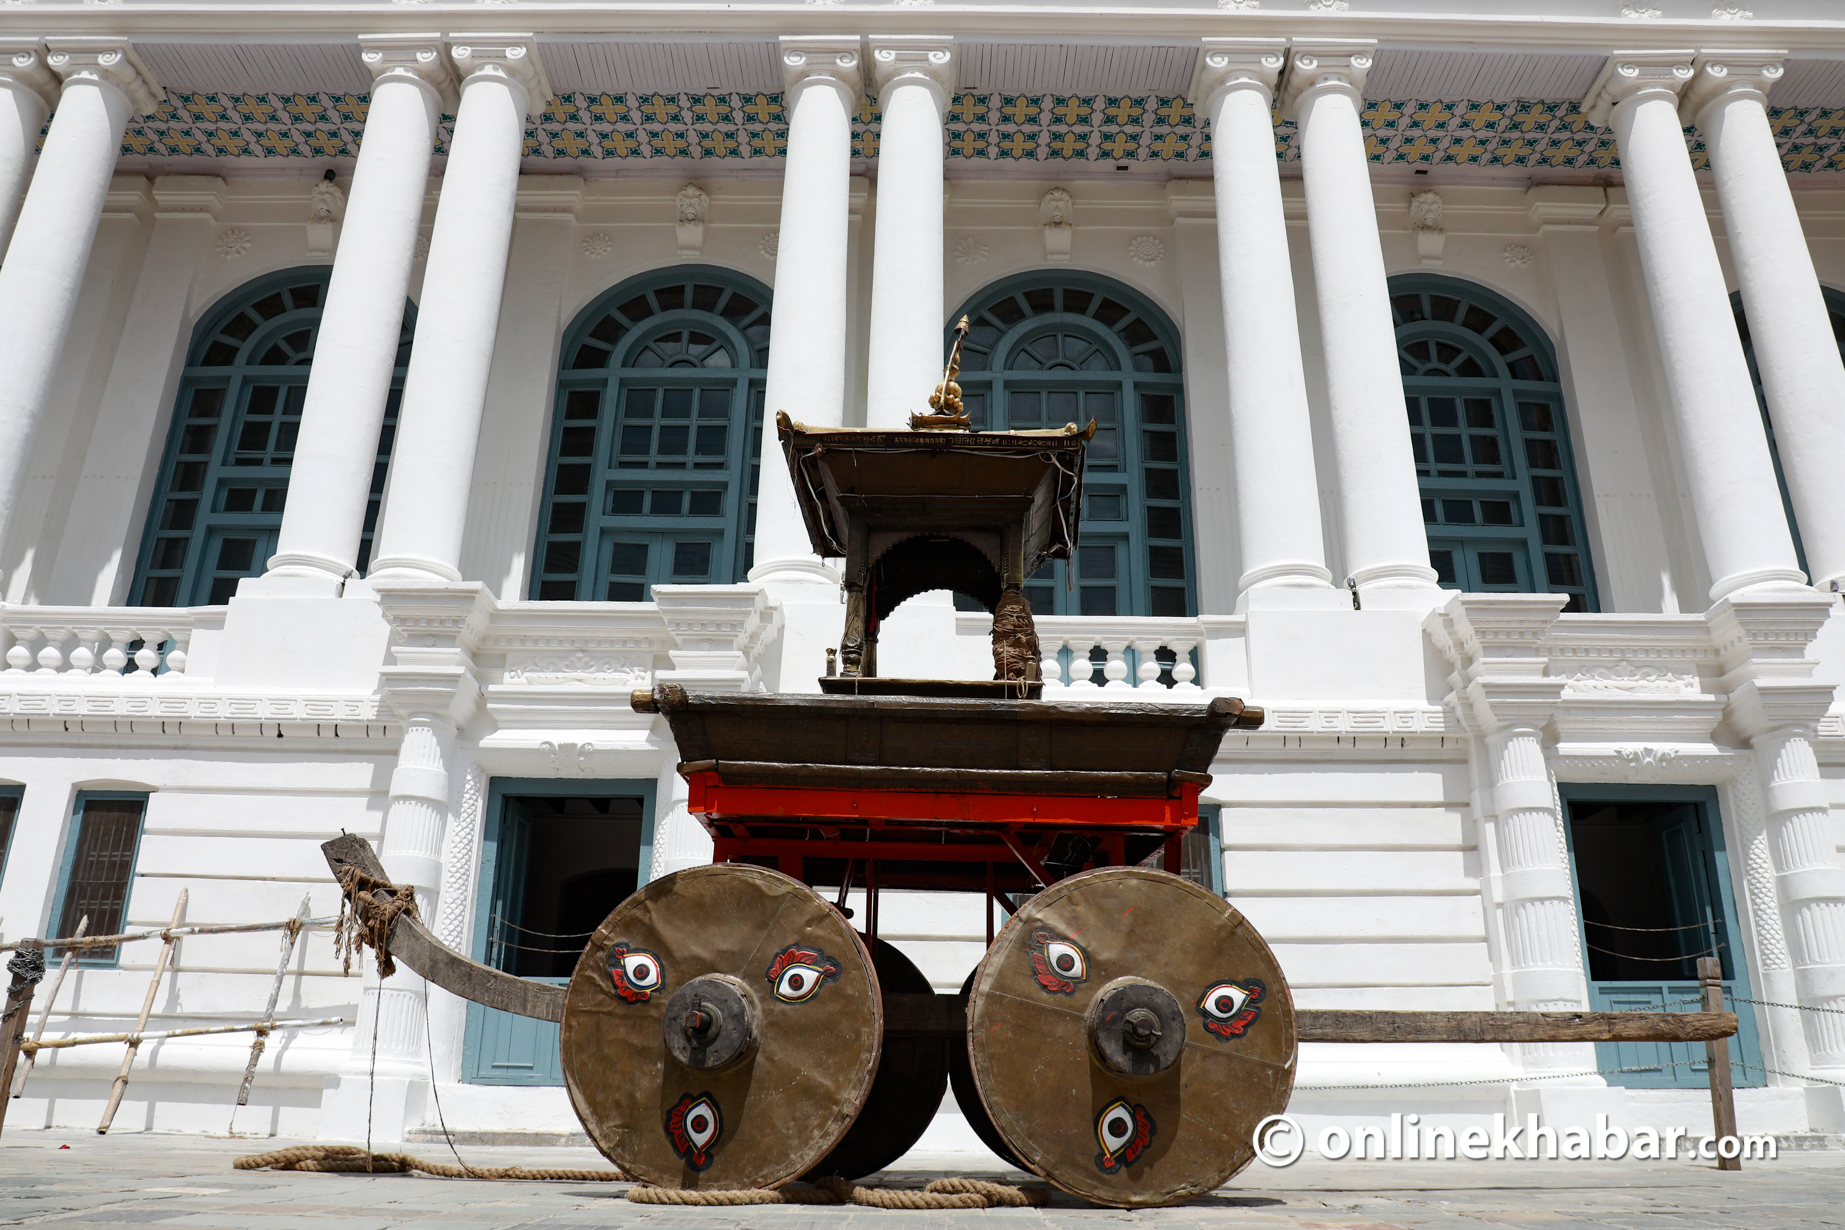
(1340, 1025)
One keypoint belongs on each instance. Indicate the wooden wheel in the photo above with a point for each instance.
(1127, 1031)
(721, 1030)
(912, 1076)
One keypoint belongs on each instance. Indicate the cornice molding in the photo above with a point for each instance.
(920, 59)
(22, 67)
(417, 58)
(834, 58)
(108, 61)
(508, 57)
(1716, 74)
(1629, 73)
(188, 196)
(1226, 63)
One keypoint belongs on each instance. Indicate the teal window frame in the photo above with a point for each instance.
(1503, 510)
(1207, 840)
(97, 958)
(218, 501)
(492, 1037)
(1835, 310)
(1136, 530)
(1627, 995)
(619, 517)
(10, 827)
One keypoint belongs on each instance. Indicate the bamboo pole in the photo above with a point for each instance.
(128, 937)
(44, 1014)
(156, 1035)
(1717, 1052)
(147, 1007)
(289, 937)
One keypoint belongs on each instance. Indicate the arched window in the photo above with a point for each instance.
(1835, 309)
(1491, 441)
(1047, 350)
(218, 504)
(656, 439)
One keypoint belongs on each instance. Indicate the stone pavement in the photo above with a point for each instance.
(186, 1183)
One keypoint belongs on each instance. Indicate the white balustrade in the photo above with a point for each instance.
(1154, 657)
(144, 643)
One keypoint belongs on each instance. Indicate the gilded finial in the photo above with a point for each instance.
(949, 414)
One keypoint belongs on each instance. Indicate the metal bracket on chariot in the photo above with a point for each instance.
(729, 1026)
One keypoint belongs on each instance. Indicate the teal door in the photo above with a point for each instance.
(1653, 896)
(555, 859)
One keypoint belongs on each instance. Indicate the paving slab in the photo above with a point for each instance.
(51, 1180)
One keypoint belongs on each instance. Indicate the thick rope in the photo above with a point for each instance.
(350, 1159)
(365, 921)
(940, 1194)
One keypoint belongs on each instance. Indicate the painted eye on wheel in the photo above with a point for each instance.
(798, 982)
(701, 1123)
(1066, 960)
(1223, 1001)
(797, 973)
(635, 972)
(1115, 1128)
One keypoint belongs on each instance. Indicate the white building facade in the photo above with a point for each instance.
(382, 401)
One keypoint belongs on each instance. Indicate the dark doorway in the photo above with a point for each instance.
(564, 864)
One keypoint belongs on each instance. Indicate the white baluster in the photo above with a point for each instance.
(1050, 665)
(18, 658)
(176, 656)
(1183, 672)
(1082, 671)
(51, 657)
(1147, 674)
(1116, 668)
(82, 660)
(148, 656)
(115, 657)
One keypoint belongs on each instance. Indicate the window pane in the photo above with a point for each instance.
(567, 518)
(628, 559)
(1098, 600)
(691, 559)
(1542, 454)
(1107, 508)
(1497, 568)
(1096, 563)
(1163, 522)
(1162, 484)
(1160, 446)
(1443, 564)
(102, 864)
(667, 503)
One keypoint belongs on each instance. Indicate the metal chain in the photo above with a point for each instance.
(1790, 1075)
(1765, 1003)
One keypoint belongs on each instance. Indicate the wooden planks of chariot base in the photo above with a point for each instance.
(1335, 1025)
(802, 731)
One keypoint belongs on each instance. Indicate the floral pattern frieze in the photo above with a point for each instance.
(992, 127)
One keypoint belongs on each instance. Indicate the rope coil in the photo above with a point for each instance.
(351, 1159)
(365, 920)
(958, 1193)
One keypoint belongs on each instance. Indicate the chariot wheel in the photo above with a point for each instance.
(721, 1030)
(912, 1077)
(1126, 1032)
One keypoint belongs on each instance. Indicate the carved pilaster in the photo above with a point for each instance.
(1321, 64)
(1630, 73)
(913, 59)
(23, 67)
(693, 204)
(1231, 63)
(106, 61)
(1717, 74)
(415, 58)
(511, 58)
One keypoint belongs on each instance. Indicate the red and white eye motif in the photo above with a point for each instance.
(1058, 964)
(1123, 1130)
(1230, 1008)
(693, 1127)
(796, 973)
(1066, 960)
(635, 972)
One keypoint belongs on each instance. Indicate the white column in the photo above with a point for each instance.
(104, 83)
(913, 75)
(27, 91)
(1380, 506)
(1731, 479)
(445, 390)
(330, 483)
(1277, 491)
(807, 345)
(1795, 351)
